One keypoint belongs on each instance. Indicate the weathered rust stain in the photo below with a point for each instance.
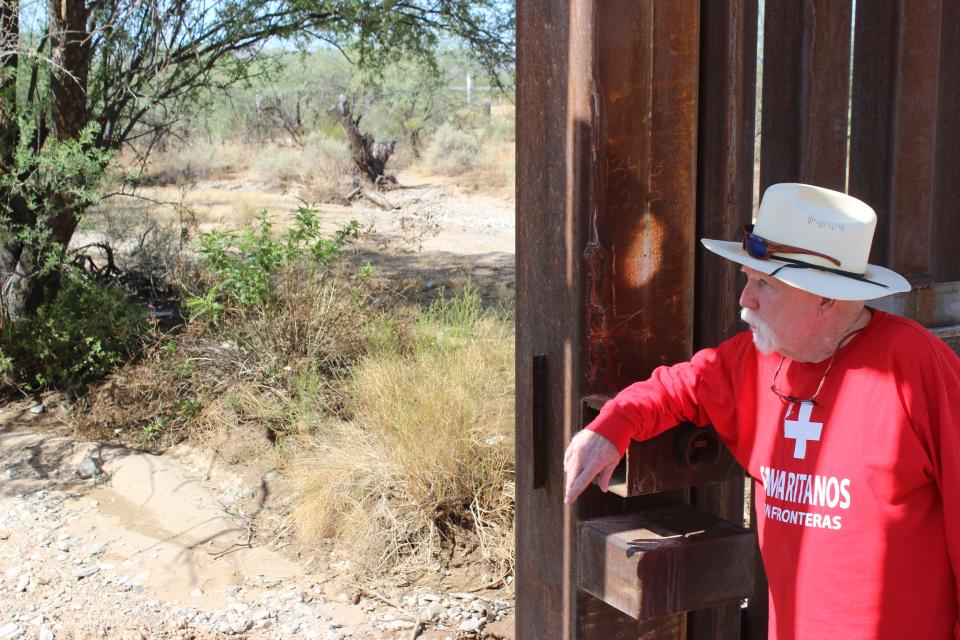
(596, 268)
(604, 326)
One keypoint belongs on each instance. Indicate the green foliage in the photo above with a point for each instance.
(82, 334)
(410, 97)
(152, 430)
(289, 100)
(462, 312)
(381, 32)
(62, 179)
(275, 93)
(240, 263)
(71, 169)
(286, 96)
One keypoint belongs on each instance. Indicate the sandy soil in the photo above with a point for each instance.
(97, 541)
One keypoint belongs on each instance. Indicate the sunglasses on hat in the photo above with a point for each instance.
(763, 249)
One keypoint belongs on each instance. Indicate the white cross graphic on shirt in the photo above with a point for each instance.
(802, 430)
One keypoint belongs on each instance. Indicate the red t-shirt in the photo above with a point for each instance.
(858, 497)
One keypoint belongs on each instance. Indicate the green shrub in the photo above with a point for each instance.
(452, 151)
(239, 264)
(86, 331)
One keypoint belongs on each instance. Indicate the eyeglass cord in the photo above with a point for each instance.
(813, 399)
(800, 264)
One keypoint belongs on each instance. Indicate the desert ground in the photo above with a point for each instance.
(99, 541)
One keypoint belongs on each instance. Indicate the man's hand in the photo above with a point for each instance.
(588, 456)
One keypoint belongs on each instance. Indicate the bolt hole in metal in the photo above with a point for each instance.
(696, 448)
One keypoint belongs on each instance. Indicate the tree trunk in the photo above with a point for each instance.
(27, 280)
(369, 157)
(11, 248)
(9, 37)
(70, 55)
(70, 52)
(415, 143)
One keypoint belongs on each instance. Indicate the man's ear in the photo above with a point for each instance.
(826, 304)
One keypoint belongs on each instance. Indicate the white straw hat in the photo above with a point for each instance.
(830, 234)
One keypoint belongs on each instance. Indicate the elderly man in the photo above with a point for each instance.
(847, 418)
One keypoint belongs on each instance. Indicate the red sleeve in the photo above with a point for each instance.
(700, 391)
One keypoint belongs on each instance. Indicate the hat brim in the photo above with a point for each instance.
(821, 283)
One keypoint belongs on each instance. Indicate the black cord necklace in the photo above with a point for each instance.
(813, 399)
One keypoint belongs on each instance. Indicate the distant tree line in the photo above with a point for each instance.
(298, 97)
(88, 77)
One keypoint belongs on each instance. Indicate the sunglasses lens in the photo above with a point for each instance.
(756, 246)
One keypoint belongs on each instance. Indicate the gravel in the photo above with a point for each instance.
(123, 554)
(56, 586)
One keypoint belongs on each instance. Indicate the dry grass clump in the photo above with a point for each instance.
(320, 162)
(200, 160)
(480, 162)
(425, 463)
(452, 151)
(213, 206)
(495, 170)
(319, 169)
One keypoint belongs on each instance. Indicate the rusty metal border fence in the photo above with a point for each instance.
(885, 128)
(635, 137)
(899, 109)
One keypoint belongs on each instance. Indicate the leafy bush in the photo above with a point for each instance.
(425, 463)
(452, 151)
(64, 174)
(271, 370)
(240, 263)
(86, 331)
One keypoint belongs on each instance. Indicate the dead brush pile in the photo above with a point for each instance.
(425, 464)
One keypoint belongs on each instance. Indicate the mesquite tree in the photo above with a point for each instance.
(369, 156)
(95, 75)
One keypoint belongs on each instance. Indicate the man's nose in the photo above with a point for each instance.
(748, 297)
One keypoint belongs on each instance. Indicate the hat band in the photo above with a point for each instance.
(800, 264)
